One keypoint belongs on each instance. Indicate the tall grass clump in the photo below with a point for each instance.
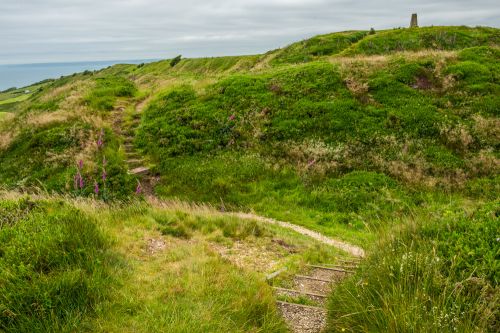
(438, 274)
(53, 266)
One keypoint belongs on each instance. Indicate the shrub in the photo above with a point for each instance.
(175, 61)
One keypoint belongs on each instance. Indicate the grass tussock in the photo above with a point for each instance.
(439, 273)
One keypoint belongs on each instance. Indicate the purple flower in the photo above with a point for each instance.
(100, 140)
(81, 182)
(80, 164)
(75, 181)
(138, 189)
(311, 163)
(104, 174)
(96, 188)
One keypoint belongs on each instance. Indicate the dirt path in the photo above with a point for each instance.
(349, 248)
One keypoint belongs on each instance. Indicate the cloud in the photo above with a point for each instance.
(76, 30)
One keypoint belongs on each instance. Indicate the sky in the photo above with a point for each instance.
(40, 31)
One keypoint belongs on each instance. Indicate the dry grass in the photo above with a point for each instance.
(456, 137)
(41, 119)
(68, 92)
(5, 139)
(487, 129)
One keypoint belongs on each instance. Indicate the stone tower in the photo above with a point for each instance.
(414, 21)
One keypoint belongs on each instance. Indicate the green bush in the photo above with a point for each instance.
(175, 61)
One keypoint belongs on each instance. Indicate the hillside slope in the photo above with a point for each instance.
(389, 141)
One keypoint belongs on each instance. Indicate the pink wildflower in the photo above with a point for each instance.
(80, 164)
(138, 189)
(81, 182)
(311, 163)
(104, 174)
(231, 117)
(96, 188)
(100, 140)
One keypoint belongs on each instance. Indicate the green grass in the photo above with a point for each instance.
(439, 273)
(323, 45)
(90, 267)
(107, 89)
(440, 38)
(15, 99)
(300, 146)
(54, 266)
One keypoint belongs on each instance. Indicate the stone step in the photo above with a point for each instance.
(139, 171)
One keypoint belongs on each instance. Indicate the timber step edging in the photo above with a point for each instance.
(305, 277)
(312, 307)
(299, 292)
(334, 268)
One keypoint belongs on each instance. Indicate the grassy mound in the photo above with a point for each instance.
(435, 38)
(324, 45)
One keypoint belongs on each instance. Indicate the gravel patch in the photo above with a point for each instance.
(303, 319)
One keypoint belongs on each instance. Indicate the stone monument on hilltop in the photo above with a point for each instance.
(414, 21)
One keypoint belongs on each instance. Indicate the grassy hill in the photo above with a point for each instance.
(387, 140)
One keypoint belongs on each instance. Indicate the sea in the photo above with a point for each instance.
(26, 74)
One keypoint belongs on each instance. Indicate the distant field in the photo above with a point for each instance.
(16, 99)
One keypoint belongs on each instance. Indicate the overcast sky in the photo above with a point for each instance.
(33, 31)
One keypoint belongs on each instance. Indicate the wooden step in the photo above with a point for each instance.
(275, 274)
(139, 171)
(349, 260)
(298, 292)
(312, 307)
(135, 161)
(313, 278)
(341, 265)
(334, 268)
